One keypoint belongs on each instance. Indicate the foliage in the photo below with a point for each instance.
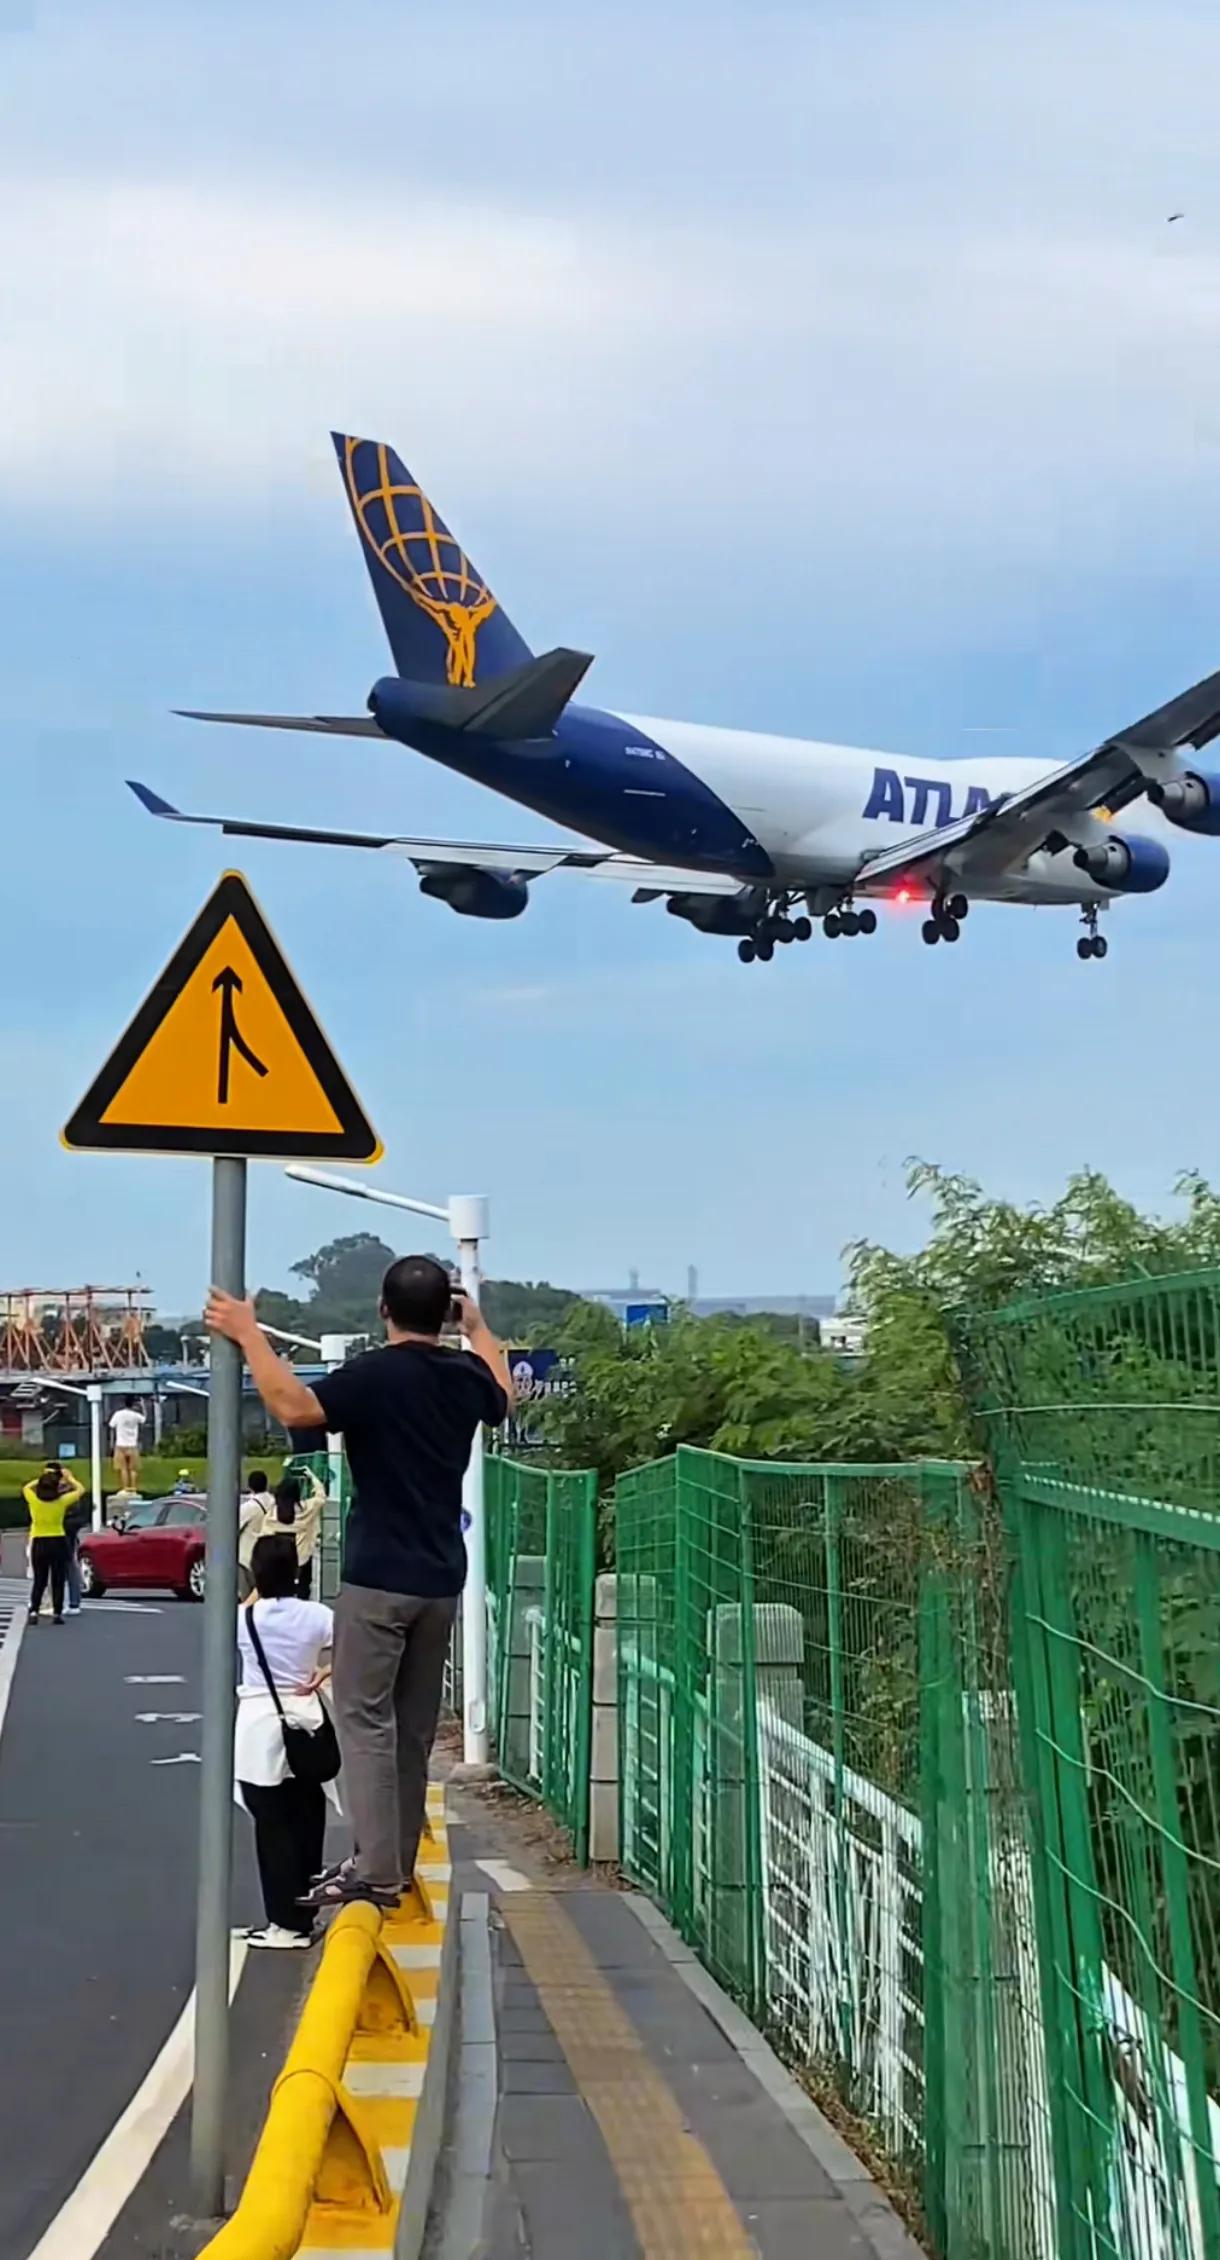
(344, 1280)
(737, 1385)
(726, 1383)
(982, 1253)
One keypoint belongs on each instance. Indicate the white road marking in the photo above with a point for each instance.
(170, 1718)
(504, 1877)
(83, 2223)
(184, 1758)
(123, 1608)
(15, 1593)
(155, 1679)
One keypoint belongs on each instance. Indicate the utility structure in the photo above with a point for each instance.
(91, 1330)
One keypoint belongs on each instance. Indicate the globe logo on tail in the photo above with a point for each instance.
(419, 553)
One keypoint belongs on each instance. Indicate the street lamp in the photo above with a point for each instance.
(466, 1216)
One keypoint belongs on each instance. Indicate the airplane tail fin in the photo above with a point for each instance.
(444, 624)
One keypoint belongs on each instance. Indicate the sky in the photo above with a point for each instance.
(829, 370)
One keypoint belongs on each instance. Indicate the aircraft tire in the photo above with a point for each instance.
(764, 951)
(1100, 945)
(950, 929)
(1084, 947)
(746, 951)
(931, 930)
(868, 921)
(832, 926)
(803, 929)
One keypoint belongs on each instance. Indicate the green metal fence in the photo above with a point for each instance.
(820, 1782)
(541, 1568)
(1103, 1412)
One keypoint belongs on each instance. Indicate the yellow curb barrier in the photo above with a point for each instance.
(332, 2160)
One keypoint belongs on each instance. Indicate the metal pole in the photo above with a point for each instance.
(219, 1699)
(95, 1450)
(468, 1223)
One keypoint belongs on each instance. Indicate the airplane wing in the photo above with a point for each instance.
(479, 855)
(1015, 827)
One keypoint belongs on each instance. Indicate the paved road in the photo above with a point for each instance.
(97, 1857)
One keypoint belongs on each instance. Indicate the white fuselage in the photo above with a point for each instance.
(819, 810)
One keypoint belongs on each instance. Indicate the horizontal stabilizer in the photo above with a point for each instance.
(529, 702)
(328, 725)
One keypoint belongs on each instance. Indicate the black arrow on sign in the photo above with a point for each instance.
(231, 1038)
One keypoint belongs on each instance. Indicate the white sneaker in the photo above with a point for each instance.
(274, 1934)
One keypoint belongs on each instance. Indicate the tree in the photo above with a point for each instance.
(526, 1312)
(344, 1280)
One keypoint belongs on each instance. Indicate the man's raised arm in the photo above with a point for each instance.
(283, 1392)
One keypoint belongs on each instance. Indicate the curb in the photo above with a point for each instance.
(873, 2216)
(345, 2162)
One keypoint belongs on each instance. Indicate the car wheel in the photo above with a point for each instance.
(196, 1580)
(90, 1583)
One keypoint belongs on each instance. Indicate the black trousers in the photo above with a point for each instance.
(289, 1829)
(48, 1559)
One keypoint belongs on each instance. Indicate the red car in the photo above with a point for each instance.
(159, 1542)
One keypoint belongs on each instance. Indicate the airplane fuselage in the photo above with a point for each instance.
(798, 813)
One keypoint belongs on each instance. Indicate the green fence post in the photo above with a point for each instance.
(586, 1617)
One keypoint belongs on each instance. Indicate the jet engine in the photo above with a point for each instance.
(720, 914)
(476, 894)
(1125, 866)
(1191, 801)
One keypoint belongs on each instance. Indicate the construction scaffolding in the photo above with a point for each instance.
(88, 1330)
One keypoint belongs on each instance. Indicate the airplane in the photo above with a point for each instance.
(735, 830)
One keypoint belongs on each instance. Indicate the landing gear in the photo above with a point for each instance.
(746, 951)
(847, 921)
(1091, 944)
(945, 923)
(802, 929)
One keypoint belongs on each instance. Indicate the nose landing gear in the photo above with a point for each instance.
(1091, 944)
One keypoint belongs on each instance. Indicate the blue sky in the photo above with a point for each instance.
(827, 369)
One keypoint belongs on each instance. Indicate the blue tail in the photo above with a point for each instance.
(442, 620)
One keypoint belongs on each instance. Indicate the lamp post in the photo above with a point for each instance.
(466, 1217)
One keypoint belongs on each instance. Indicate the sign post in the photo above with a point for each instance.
(219, 1702)
(224, 1058)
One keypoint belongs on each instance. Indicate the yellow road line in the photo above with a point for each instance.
(678, 2203)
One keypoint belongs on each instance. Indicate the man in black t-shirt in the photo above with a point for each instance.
(408, 1414)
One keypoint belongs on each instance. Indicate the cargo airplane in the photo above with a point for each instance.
(741, 833)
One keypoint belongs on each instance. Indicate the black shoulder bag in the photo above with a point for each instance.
(312, 1751)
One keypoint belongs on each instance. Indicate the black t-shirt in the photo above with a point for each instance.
(408, 1414)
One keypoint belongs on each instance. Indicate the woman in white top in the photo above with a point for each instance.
(289, 1815)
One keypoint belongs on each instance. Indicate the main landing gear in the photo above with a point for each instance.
(847, 921)
(946, 920)
(1091, 944)
(775, 927)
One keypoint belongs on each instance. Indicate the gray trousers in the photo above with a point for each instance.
(389, 1662)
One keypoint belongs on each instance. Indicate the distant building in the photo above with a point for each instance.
(761, 1306)
(632, 1305)
(845, 1333)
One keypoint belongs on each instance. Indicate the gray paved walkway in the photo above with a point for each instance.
(630, 2122)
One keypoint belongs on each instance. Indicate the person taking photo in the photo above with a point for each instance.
(408, 1414)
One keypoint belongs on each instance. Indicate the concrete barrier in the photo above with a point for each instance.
(346, 2156)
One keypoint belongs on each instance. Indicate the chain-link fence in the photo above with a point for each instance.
(541, 1564)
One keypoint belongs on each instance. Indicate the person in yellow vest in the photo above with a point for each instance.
(48, 1498)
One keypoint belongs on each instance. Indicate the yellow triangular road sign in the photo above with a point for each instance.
(225, 1056)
